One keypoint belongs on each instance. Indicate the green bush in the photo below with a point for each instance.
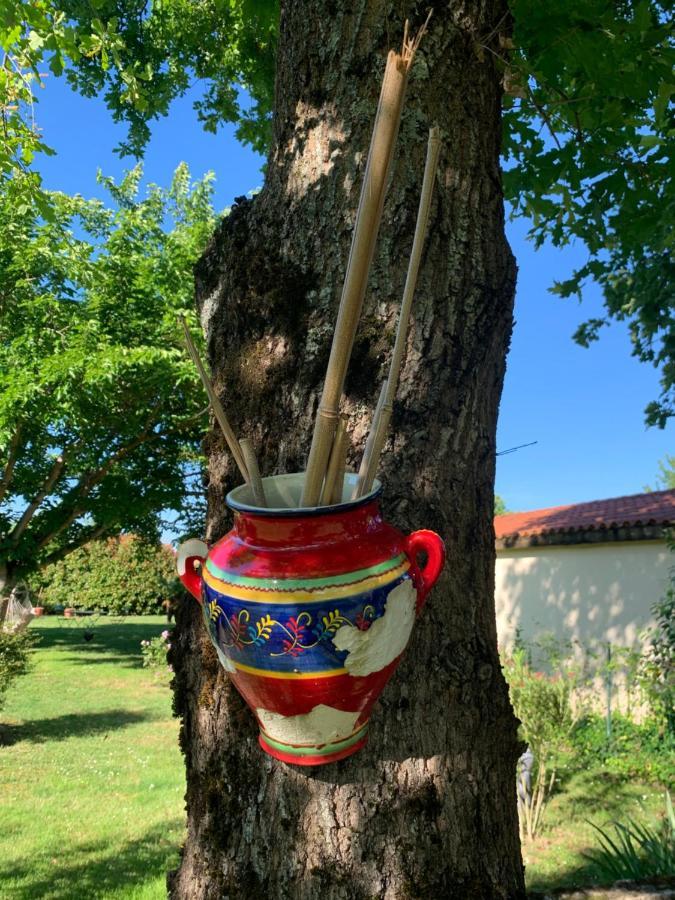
(543, 704)
(636, 751)
(120, 575)
(657, 669)
(541, 701)
(14, 658)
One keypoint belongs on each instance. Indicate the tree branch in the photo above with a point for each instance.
(91, 534)
(86, 484)
(33, 506)
(12, 457)
(542, 112)
(89, 481)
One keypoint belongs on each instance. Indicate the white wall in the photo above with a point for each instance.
(585, 592)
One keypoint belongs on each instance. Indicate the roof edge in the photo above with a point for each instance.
(616, 534)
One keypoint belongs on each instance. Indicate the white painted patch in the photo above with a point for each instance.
(372, 650)
(323, 725)
(193, 547)
(225, 661)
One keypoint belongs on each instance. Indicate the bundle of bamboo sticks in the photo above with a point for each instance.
(325, 475)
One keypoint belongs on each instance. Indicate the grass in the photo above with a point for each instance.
(91, 777)
(555, 858)
(92, 784)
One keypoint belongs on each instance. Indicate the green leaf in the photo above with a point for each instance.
(35, 40)
(663, 96)
(650, 140)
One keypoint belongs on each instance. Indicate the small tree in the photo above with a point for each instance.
(500, 506)
(99, 407)
(665, 480)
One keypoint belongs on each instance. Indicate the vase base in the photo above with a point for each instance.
(319, 755)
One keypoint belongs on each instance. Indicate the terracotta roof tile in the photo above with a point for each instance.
(654, 508)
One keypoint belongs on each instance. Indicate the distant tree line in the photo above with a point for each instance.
(119, 575)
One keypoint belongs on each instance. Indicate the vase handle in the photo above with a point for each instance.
(189, 553)
(428, 542)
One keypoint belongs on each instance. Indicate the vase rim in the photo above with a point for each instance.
(287, 489)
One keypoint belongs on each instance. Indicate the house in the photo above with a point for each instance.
(588, 572)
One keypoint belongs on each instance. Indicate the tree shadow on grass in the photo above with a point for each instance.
(58, 728)
(119, 639)
(565, 877)
(583, 877)
(95, 869)
(595, 794)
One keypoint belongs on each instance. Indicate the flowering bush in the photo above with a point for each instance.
(155, 650)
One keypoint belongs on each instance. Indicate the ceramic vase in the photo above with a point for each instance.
(309, 611)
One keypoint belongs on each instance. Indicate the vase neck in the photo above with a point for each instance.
(303, 530)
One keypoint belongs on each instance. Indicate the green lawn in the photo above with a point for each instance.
(91, 778)
(554, 859)
(91, 781)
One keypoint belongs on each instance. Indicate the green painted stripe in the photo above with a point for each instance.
(314, 751)
(293, 584)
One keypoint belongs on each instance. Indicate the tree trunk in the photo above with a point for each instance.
(428, 808)
(7, 584)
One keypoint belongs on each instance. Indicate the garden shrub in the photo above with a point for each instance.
(541, 701)
(642, 751)
(543, 704)
(547, 702)
(15, 650)
(657, 670)
(119, 575)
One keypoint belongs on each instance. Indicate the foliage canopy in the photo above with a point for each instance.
(590, 143)
(589, 120)
(100, 409)
(97, 404)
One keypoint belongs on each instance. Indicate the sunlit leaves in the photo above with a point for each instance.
(590, 157)
(589, 123)
(91, 366)
(224, 45)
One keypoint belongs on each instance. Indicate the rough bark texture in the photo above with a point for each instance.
(428, 809)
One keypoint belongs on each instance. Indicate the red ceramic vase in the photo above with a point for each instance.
(309, 611)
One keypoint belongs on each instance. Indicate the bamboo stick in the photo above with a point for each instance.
(368, 449)
(339, 487)
(335, 472)
(365, 482)
(366, 227)
(216, 406)
(254, 472)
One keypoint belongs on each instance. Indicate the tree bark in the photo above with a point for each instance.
(8, 581)
(428, 808)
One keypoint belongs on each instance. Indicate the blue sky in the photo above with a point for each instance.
(584, 407)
